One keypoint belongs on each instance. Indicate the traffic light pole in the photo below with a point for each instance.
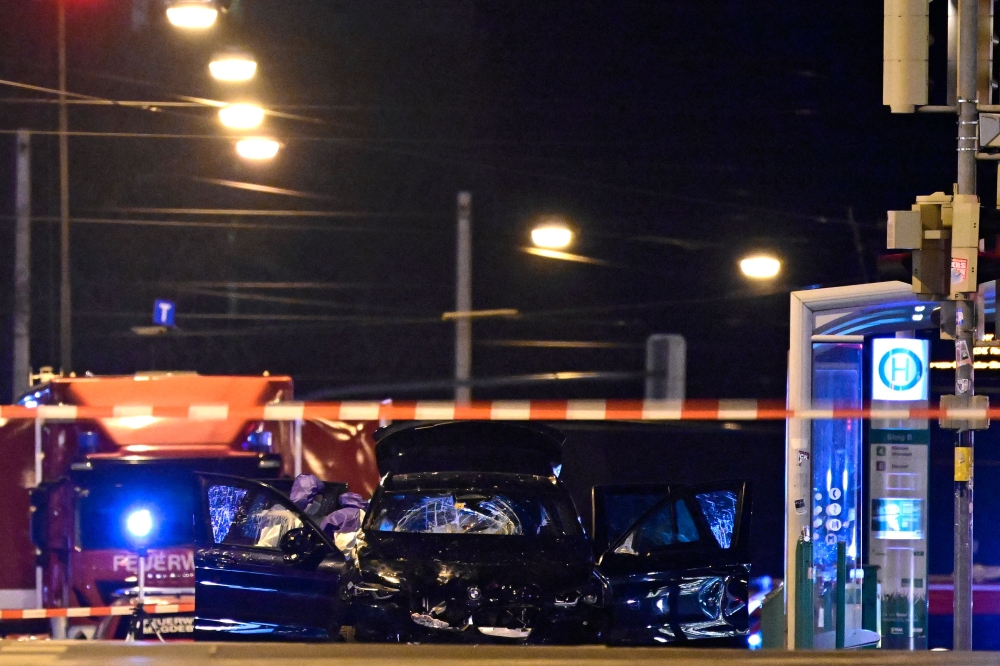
(968, 124)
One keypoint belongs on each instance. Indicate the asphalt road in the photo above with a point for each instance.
(73, 653)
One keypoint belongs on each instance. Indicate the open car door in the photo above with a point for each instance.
(681, 571)
(263, 569)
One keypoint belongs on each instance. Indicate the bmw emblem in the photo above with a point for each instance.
(474, 593)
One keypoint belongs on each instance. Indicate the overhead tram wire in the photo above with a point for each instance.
(258, 226)
(365, 144)
(364, 320)
(591, 183)
(356, 214)
(229, 295)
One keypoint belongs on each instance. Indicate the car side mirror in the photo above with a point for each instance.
(299, 545)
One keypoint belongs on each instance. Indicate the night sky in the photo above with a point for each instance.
(675, 135)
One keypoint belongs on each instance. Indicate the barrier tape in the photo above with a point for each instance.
(500, 410)
(92, 611)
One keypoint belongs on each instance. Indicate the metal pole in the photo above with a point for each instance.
(39, 457)
(65, 309)
(841, 628)
(142, 578)
(463, 300)
(297, 439)
(968, 116)
(962, 636)
(968, 55)
(22, 268)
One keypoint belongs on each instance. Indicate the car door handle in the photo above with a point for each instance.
(215, 558)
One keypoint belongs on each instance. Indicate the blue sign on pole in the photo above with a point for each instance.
(899, 369)
(163, 312)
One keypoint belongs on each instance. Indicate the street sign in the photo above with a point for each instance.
(899, 369)
(163, 312)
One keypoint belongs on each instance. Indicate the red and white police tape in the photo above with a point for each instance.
(499, 410)
(92, 611)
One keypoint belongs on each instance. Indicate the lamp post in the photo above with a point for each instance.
(463, 300)
(65, 306)
(760, 267)
(552, 233)
(241, 115)
(257, 148)
(232, 66)
(192, 14)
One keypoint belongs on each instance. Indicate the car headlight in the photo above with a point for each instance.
(591, 594)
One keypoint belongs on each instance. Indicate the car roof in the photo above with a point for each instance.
(469, 446)
(471, 481)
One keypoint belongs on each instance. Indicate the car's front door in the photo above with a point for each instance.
(253, 578)
(681, 572)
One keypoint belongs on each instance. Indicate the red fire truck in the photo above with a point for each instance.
(70, 488)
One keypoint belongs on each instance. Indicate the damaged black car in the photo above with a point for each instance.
(471, 537)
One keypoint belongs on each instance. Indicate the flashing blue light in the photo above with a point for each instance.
(139, 523)
(754, 641)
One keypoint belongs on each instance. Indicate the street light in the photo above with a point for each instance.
(552, 233)
(192, 14)
(241, 115)
(233, 66)
(760, 267)
(257, 148)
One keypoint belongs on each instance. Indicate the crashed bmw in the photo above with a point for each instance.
(472, 537)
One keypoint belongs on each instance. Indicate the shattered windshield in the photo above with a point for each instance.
(471, 512)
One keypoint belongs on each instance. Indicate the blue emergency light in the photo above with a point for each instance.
(139, 523)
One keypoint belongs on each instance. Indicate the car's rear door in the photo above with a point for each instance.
(681, 572)
(244, 587)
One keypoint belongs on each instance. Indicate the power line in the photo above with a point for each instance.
(273, 213)
(282, 299)
(258, 226)
(366, 320)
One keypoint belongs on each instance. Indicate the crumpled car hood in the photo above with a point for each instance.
(548, 565)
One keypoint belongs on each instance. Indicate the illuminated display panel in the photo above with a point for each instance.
(898, 518)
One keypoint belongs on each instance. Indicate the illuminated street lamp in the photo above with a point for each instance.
(257, 148)
(760, 267)
(552, 233)
(192, 14)
(241, 116)
(233, 66)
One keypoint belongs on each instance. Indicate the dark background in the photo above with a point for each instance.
(676, 136)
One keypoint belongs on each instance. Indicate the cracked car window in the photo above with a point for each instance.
(719, 509)
(223, 502)
(243, 518)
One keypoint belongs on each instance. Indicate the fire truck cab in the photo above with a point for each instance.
(77, 493)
